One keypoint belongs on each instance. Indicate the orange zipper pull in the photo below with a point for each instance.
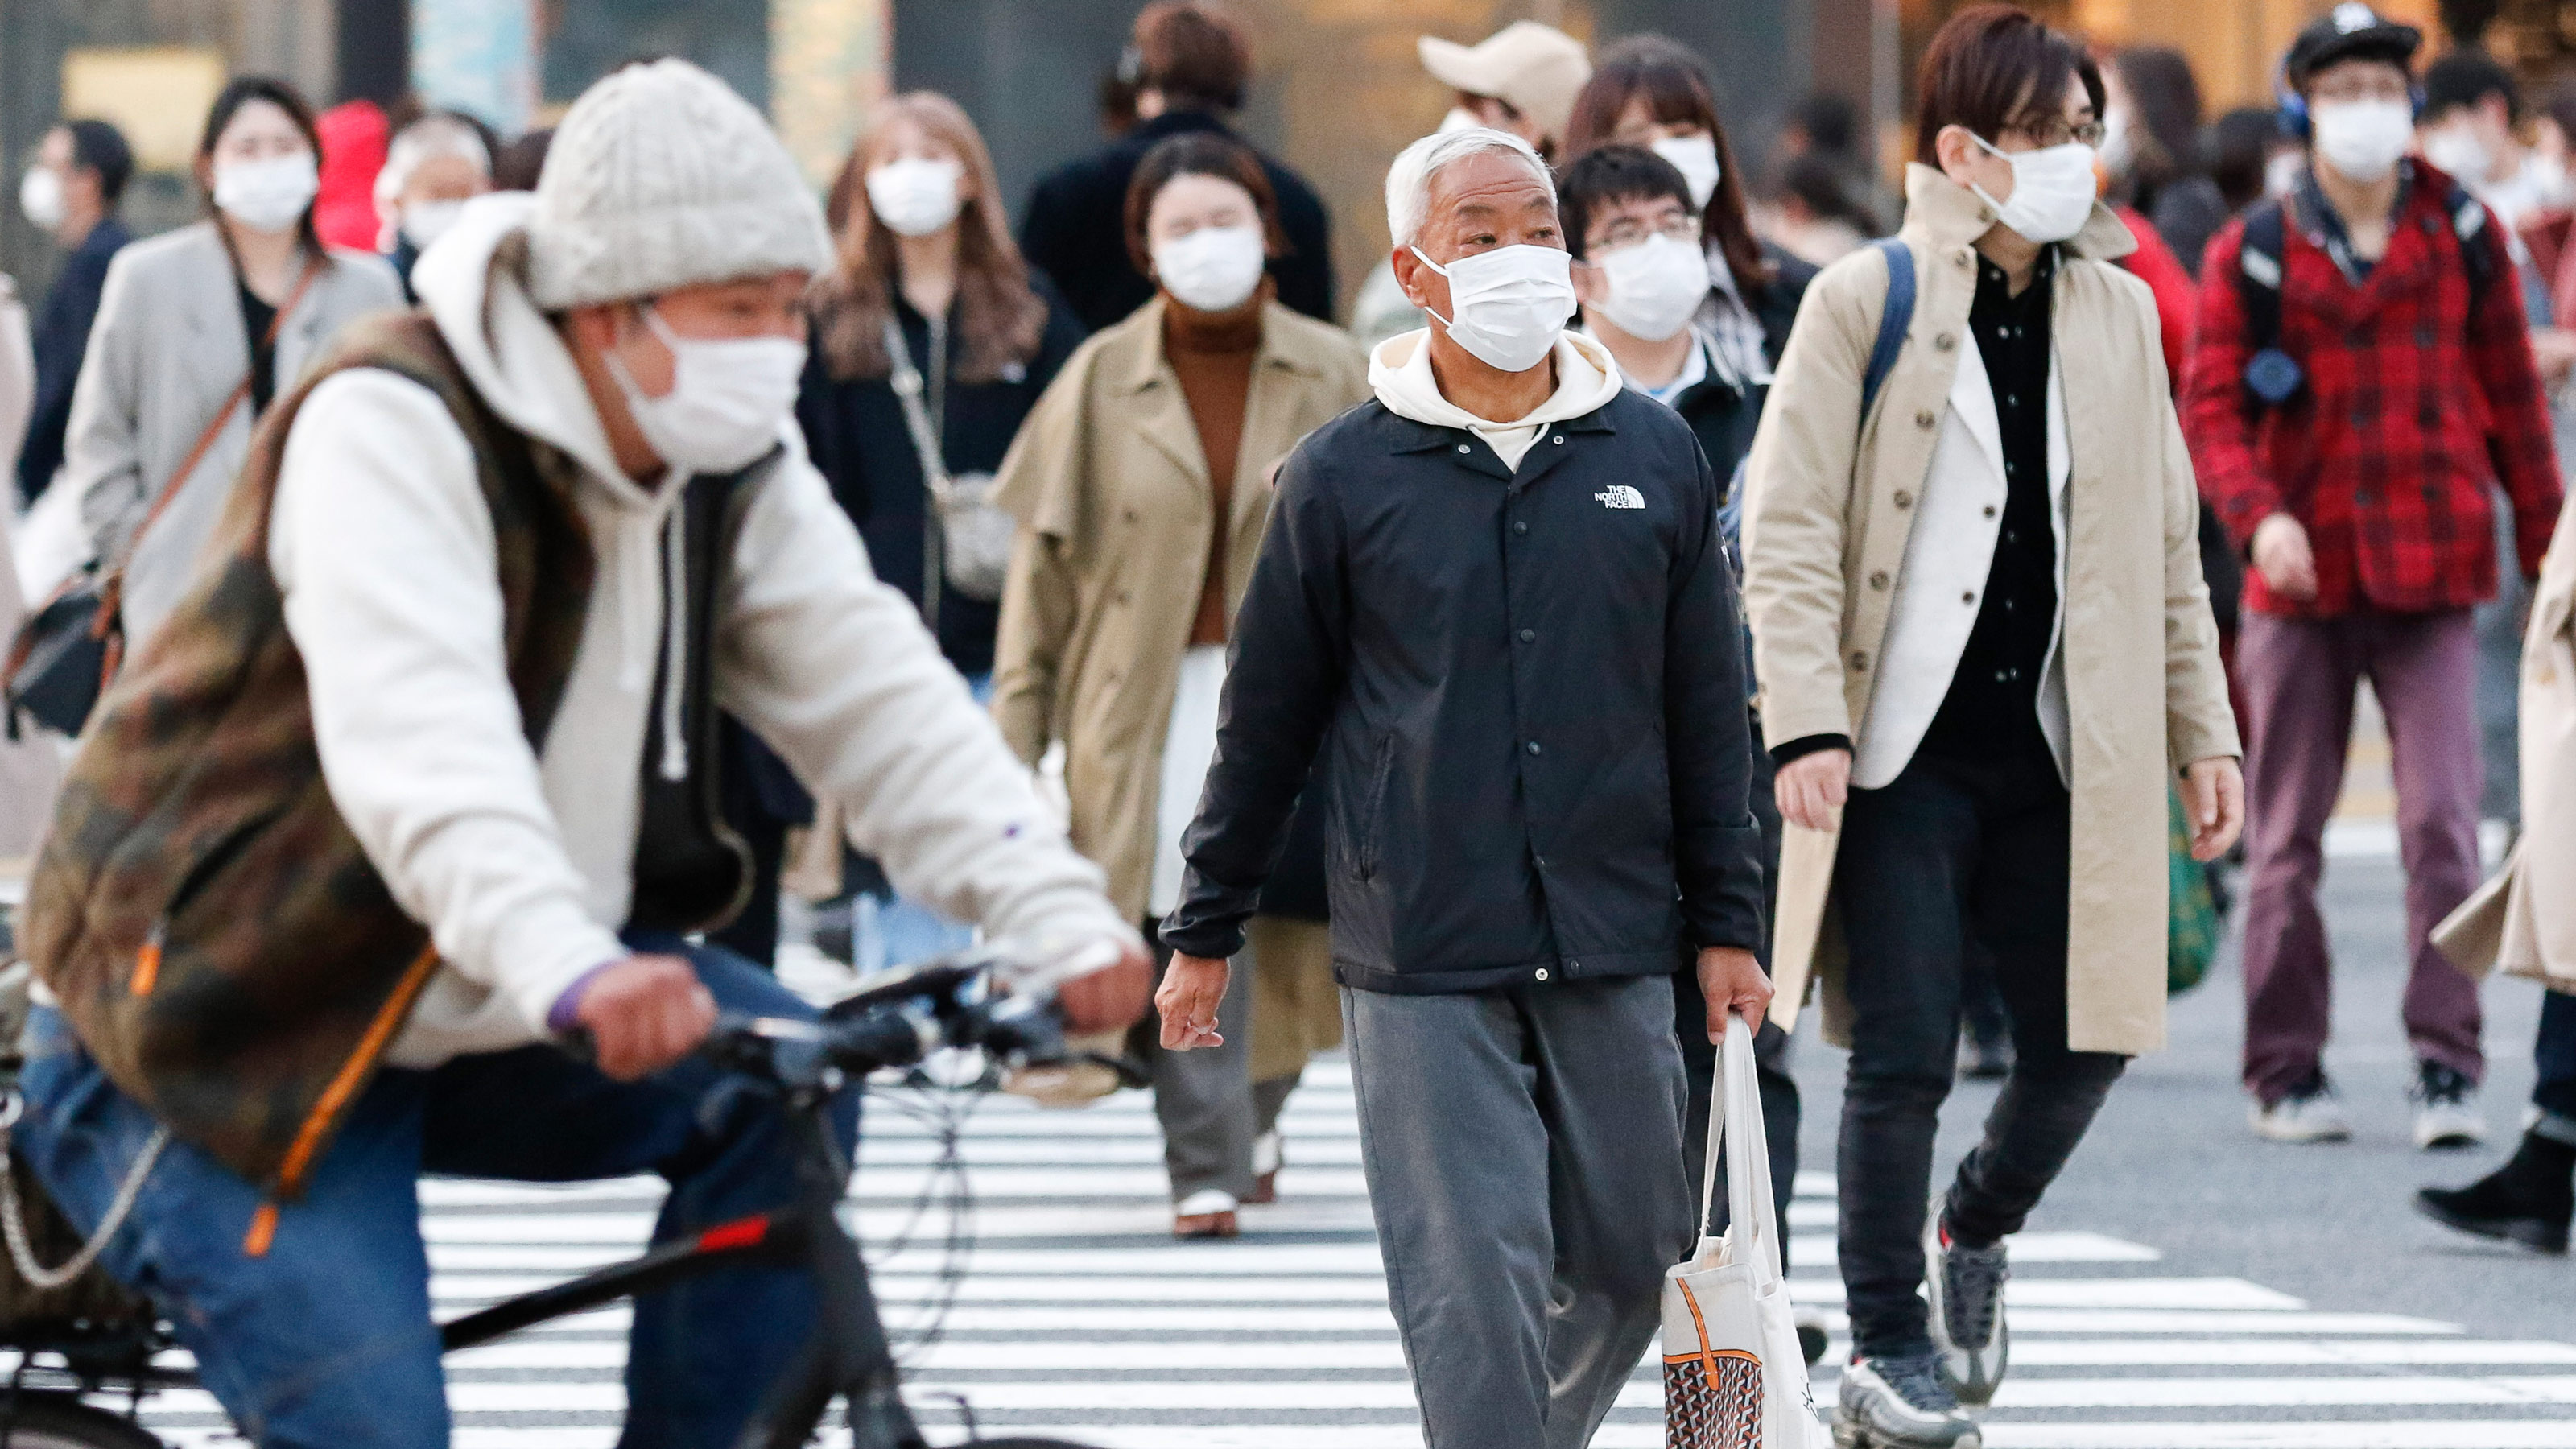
(263, 1231)
(147, 963)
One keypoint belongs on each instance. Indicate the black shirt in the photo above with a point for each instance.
(61, 342)
(260, 320)
(1993, 704)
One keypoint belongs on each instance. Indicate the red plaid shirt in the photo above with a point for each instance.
(2414, 409)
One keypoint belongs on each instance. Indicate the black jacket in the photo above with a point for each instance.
(1532, 691)
(61, 341)
(855, 430)
(1075, 229)
(1723, 415)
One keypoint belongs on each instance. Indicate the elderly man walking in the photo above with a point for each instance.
(1497, 596)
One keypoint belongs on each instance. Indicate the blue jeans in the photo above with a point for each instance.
(326, 1342)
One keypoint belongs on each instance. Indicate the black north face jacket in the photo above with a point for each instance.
(1530, 688)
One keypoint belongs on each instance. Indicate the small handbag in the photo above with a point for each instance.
(1734, 1375)
(971, 546)
(68, 648)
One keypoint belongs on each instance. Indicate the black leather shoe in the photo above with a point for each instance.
(2530, 1200)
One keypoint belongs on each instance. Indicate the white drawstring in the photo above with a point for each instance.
(675, 647)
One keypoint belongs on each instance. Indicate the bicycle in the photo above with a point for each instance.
(805, 1065)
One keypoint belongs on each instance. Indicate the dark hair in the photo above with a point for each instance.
(2166, 100)
(1198, 153)
(1992, 68)
(517, 166)
(1673, 82)
(1822, 183)
(2558, 103)
(1192, 52)
(241, 91)
(2466, 77)
(2238, 147)
(1831, 123)
(1607, 175)
(100, 149)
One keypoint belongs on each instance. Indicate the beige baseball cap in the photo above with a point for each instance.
(1536, 68)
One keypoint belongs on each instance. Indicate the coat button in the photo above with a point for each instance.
(1560, 440)
(1925, 420)
(1961, 259)
(1860, 659)
(1990, 510)
(1542, 973)
(1573, 965)
(1533, 747)
(1520, 528)
(1945, 341)
(1968, 598)
(1466, 447)
(1878, 580)
(1904, 499)
(1528, 634)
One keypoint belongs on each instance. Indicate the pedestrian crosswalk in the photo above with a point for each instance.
(1078, 1317)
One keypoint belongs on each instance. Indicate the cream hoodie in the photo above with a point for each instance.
(1400, 371)
(519, 860)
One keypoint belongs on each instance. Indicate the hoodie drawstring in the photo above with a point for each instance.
(675, 643)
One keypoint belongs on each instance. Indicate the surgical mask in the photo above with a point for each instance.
(1458, 119)
(2052, 192)
(1213, 269)
(916, 195)
(2363, 140)
(269, 195)
(1655, 286)
(1508, 304)
(424, 222)
(727, 400)
(1695, 157)
(2457, 150)
(40, 197)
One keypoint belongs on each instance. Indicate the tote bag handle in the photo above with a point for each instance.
(1735, 1127)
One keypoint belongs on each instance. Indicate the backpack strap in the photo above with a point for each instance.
(2468, 220)
(1893, 320)
(2272, 376)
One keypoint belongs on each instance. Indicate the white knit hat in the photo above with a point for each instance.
(660, 177)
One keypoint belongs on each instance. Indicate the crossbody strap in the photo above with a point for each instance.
(908, 390)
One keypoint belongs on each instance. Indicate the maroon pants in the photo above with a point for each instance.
(2299, 677)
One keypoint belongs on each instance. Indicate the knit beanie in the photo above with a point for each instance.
(660, 178)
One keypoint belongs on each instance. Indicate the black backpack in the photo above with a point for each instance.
(2273, 376)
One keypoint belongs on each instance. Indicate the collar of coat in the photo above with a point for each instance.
(1153, 366)
(1942, 214)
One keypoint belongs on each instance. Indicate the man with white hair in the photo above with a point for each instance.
(422, 777)
(434, 166)
(1496, 595)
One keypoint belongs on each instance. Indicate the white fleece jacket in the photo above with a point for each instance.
(1400, 371)
(519, 861)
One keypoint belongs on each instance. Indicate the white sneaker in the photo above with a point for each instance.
(2311, 1113)
(2446, 1108)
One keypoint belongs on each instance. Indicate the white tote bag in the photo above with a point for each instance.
(1734, 1376)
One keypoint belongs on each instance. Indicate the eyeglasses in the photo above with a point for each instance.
(2360, 88)
(1628, 231)
(2055, 132)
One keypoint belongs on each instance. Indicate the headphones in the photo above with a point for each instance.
(2293, 107)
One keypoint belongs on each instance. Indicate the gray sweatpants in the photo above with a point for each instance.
(1524, 1157)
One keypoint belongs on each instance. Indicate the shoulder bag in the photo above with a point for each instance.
(969, 543)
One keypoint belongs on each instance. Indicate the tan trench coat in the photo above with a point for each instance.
(1829, 510)
(1112, 495)
(2525, 918)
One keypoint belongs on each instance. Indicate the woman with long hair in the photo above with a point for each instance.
(1141, 486)
(2152, 146)
(197, 332)
(927, 288)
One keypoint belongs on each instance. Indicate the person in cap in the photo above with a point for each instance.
(2361, 394)
(1521, 80)
(1514, 872)
(1191, 63)
(457, 653)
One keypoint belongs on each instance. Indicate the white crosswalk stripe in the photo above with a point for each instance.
(1079, 1318)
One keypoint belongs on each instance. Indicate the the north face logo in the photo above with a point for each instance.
(1620, 495)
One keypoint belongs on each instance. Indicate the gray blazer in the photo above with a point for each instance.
(166, 351)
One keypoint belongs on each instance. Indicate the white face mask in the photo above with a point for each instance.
(1458, 119)
(1213, 269)
(270, 195)
(1508, 304)
(40, 197)
(2052, 191)
(424, 222)
(1695, 157)
(1655, 286)
(916, 195)
(728, 398)
(2363, 140)
(2457, 150)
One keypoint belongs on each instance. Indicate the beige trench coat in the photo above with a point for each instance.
(1830, 505)
(2525, 918)
(1112, 495)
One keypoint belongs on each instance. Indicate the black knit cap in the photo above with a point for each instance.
(2351, 31)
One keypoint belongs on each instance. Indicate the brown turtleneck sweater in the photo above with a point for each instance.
(1212, 354)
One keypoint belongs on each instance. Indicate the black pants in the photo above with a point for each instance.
(1950, 851)
(2554, 1052)
(1770, 1044)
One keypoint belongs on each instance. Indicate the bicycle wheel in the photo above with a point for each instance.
(59, 1421)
